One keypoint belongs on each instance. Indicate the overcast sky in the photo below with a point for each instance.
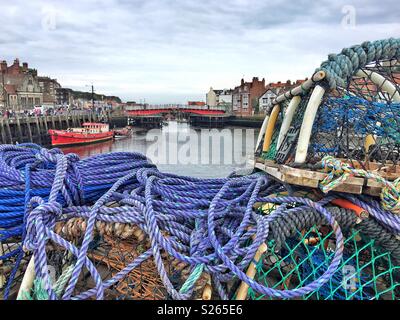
(173, 51)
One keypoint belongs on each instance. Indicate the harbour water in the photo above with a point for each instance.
(181, 149)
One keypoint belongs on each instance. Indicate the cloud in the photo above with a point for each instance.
(173, 51)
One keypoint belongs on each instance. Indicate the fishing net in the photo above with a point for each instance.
(114, 248)
(358, 119)
(361, 122)
(366, 272)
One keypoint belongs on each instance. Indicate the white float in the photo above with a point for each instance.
(287, 120)
(308, 121)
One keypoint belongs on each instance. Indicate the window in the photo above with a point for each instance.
(37, 101)
(23, 101)
(30, 102)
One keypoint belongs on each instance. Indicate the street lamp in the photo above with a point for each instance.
(92, 95)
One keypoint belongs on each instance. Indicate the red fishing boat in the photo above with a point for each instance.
(90, 132)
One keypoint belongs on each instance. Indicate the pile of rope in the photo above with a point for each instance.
(28, 171)
(209, 226)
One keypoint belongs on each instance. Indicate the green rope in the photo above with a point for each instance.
(191, 280)
(63, 280)
(40, 293)
(339, 171)
(340, 67)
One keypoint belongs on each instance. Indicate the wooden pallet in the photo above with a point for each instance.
(309, 178)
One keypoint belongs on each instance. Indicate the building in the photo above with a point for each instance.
(245, 97)
(219, 98)
(49, 89)
(273, 90)
(133, 105)
(266, 99)
(63, 96)
(224, 99)
(19, 86)
(196, 103)
(211, 97)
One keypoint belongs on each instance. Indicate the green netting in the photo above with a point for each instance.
(270, 154)
(366, 272)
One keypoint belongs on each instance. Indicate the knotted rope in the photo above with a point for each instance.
(29, 174)
(210, 225)
(215, 243)
(339, 171)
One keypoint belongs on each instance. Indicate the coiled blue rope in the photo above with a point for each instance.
(209, 224)
(28, 171)
(85, 180)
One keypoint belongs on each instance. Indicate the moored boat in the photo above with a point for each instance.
(90, 132)
(123, 133)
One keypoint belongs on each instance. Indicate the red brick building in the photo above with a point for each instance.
(245, 97)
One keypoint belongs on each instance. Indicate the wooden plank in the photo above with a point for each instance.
(3, 133)
(308, 178)
(45, 124)
(9, 131)
(28, 125)
(19, 129)
(53, 122)
(60, 121)
(39, 132)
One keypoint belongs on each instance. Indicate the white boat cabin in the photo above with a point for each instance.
(91, 127)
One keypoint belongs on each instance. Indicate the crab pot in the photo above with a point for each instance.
(354, 118)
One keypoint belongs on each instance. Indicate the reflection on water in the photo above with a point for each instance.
(90, 149)
(186, 155)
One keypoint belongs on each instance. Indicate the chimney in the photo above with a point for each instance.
(263, 82)
(16, 62)
(3, 65)
(25, 66)
(242, 82)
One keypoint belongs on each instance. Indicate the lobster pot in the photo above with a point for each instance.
(349, 110)
(359, 123)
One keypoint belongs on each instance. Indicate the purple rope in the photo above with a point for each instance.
(209, 222)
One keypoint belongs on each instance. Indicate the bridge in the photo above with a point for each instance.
(165, 109)
(153, 115)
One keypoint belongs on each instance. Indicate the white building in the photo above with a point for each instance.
(211, 98)
(265, 101)
(225, 97)
(219, 98)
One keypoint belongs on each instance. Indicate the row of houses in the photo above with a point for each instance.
(21, 88)
(250, 97)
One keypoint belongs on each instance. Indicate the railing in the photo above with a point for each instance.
(174, 107)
